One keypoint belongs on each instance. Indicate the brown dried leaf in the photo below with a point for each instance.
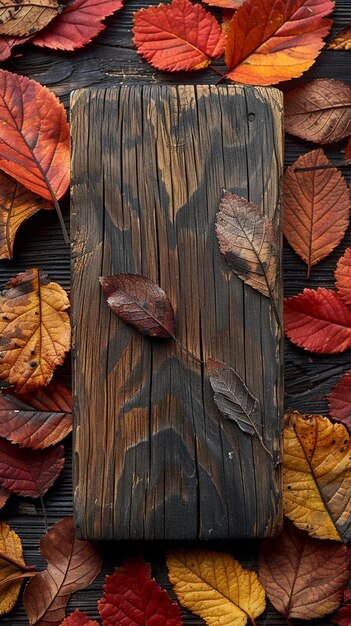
(343, 276)
(245, 237)
(319, 111)
(141, 303)
(26, 16)
(4, 495)
(316, 208)
(72, 565)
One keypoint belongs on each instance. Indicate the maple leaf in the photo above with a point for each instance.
(141, 303)
(342, 39)
(343, 276)
(213, 584)
(77, 618)
(317, 476)
(28, 473)
(27, 17)
(339, 400)
(132, 597)
(319, 111)
(177, 36)
(34, 136)
(318, 320)
(72, 565)
(272, 41)
(17, 204)
(77, 25)
(34, 329)
(29, 427)
(246, 239)
(303, 577)
(13, 569)
(316, 208)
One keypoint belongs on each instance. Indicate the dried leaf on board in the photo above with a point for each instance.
(339, 401)
(28, 17)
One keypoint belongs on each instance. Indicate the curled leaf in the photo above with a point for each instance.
(213, 584)
(72, 565)
(343, 276)
(316, 208)
(28, 16)
(339, 400)
(245, 238)
(34, 329)
(317, 476)
(319, 111)
(141, 303)
(303, 577)
(177, 36)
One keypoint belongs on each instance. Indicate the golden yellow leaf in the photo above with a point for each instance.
(216, 587)
(34, 330)
(317, 476)
(10, 545)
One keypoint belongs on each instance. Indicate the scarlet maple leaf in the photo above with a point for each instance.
(275, 40)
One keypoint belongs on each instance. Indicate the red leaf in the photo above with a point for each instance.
(177, 36)
(6, 45)
(140, 302)
(343, 616)
(132, 597)
(225, 4)
(77, 25)
(275, 40)
(72, 565)
(40, 428)
(339, 400)
(318, 321)
(343, 276)
(34, 136)
(29, 473)
(78, 619)
(319, 111)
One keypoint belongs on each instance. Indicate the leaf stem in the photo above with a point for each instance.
(11, 561)
(323, 167)
(60, 216)
(13, 579)
(192, 356)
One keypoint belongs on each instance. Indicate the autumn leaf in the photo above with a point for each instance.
(77, 25)
(316, 208)
(77, 618)
(318, 320)
(28, 17)
(343, 276)
(72, 565)
(214, 585)
(34, 137)
(34, 329)
(339, 400)
(13, 569)
(141, 303)
(17, 204)
(225, 4)
(132, 597)
(29, 427)
(342, 39)
(343, 616)
(246, 240)
(317, 476)
(4, 496)
(6, 45)
(271, 41)
(177, 36)
(303, 577)
(319, 111)
(28, 473)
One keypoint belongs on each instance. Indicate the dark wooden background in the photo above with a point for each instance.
(109, 60)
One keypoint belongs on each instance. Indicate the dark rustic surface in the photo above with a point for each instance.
(308, 377)
(154, 458)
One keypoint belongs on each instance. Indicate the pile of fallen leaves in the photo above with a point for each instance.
(305, 571)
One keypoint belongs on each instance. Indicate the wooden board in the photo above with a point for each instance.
(154, 459)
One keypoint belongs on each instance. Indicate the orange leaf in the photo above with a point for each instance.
(177, 36)
(342, 39)
(225, 4)
(275, 40)
(34, 136)
(343, 276)
(316, 208)
(34, 330)
(17, 204)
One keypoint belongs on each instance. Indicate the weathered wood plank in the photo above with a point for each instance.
(154, 458)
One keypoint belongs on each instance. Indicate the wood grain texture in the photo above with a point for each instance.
(154, 458)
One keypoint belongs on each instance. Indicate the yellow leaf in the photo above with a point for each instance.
(317, 476)
(34, 330)
(216, 587)
(10, 545)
